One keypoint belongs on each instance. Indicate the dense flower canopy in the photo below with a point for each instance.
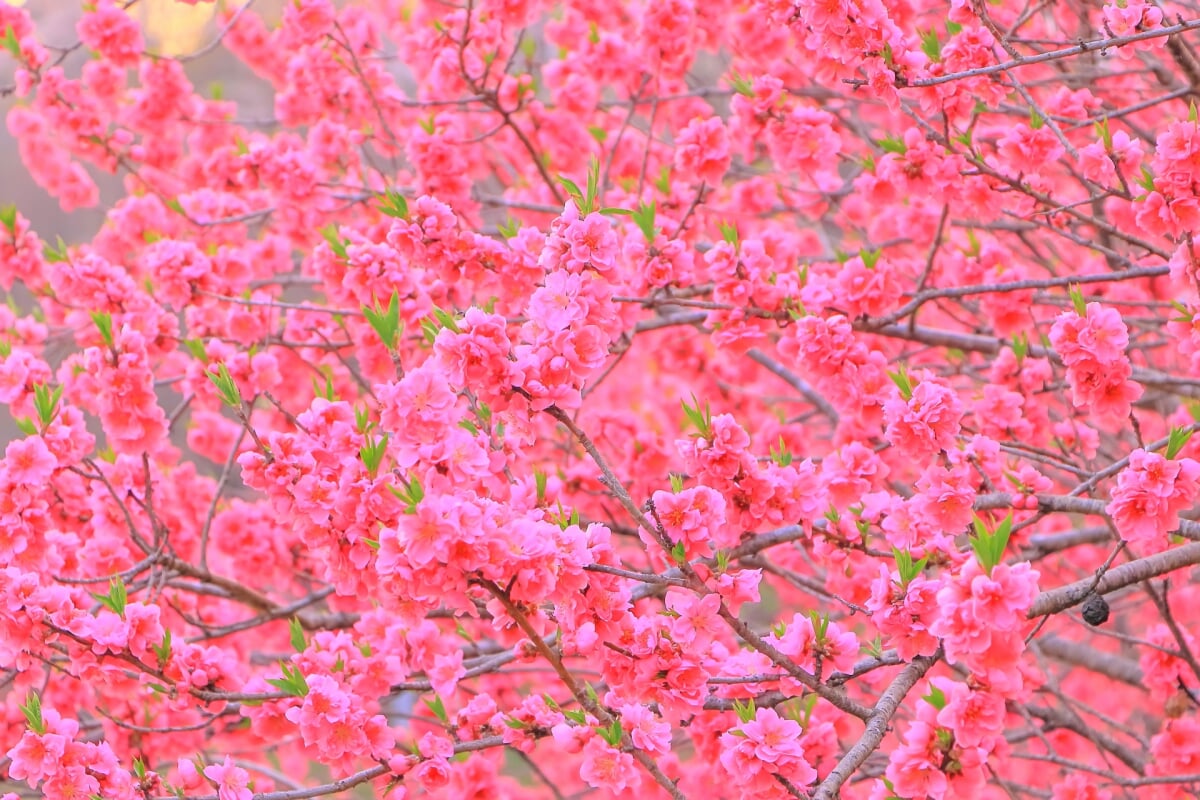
(649, 399)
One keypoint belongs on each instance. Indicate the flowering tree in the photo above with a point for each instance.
(662, 398)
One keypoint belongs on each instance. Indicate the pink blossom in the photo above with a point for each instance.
(927, 422)
(231, 780)
(607, 768)
(29, 461)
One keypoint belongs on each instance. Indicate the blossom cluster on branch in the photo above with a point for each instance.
(658, 399)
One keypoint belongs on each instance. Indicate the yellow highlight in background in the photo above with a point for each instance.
(172, 28)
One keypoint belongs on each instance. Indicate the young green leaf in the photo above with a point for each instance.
(643, 217)
(385, 321)
(330, 234)
(1177, 439)
(936, 697)
(989, 546)
(293, 681)
(438, 708)
(8, 218)
(741, 84)
(906, 567)
(226, 388)
(699, 418)
(162, 651)
(394, 204)
(509, 228)
(296, 634)
(116, 598)
(372, 453)
(45, 402)
(1077, 300)
(11, 43)
(902, 381)
(745, 710)
(729, 233)
(410, 493)
(104, 324)
(33, 713)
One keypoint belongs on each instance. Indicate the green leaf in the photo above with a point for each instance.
(510, 228)
(820, 623)
(902, 381)
(870, 258)
(226, 388)
(33, 713)
(1177, 439)
(293, 681)
(1036, 120)
(116, 598)
(1077, 300)
(679, 553)
(593, 186)
(989, 546)
(1146, 179)
(891, 144)
(729, 233)
(11, 44)
(700, 419)
(611, 733)
(386, 321)
(676, 483)
(539, 481)
(446, 319)
(196, 348)
(57, 254)
(741, 84)
(745, 710)
(163, 651)
(45, 402)
(409, 492)
(296, 635)
(643, 217)
(330, 234)
(573, 191)
(438, 708)
(931, 45)
(394, 204)
(327, 392)
(1020, 347)
(8, 218)
(663, 181)
(372, 453)
(104, 323)
(781, 455)
(936, 697)
(908, 568)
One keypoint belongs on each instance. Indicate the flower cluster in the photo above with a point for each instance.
(1092, 346)
(661, 398)
(1150, 493)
